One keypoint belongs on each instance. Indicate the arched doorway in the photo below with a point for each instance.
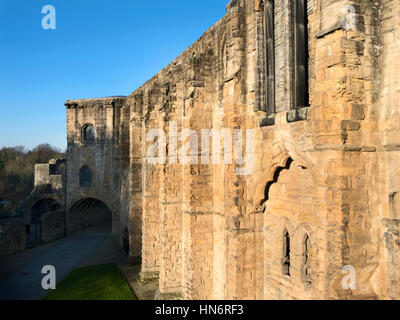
(33, 230)
(125, 241)
(88, 213)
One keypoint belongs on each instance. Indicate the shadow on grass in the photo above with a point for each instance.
(101, 282)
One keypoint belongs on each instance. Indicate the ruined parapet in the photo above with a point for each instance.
(42, 174)
(51, 173)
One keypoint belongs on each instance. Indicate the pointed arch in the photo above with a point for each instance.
(306, 265)
(289, 162)
(276, 159)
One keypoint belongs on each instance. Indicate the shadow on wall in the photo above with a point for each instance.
(87, 213)
(125, 240)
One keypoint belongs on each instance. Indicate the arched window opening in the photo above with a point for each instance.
(306, 269)
(269, 45)
(88, 133)
(301, 54)
(286, 253)
(85, 177)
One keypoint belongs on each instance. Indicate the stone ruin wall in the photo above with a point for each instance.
(213, 241)
(386, 169)
(328, 171)
(49, 184)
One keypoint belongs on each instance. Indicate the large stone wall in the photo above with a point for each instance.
(326, 174)
(382, 130)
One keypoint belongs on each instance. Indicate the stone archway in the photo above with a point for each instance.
(38, 209)
(88, 213)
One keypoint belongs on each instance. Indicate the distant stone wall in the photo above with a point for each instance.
(25, 208)
(42, 174)
(12, 236)
(53, 225)
(50, 174)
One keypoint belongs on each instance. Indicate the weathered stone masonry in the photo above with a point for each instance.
(40, 217)
(324, 191)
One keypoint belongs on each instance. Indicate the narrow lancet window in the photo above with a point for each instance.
(269, 30)
(286, 254)
(306, 270)
(301, 54)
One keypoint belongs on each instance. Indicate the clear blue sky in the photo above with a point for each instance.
(99, 48)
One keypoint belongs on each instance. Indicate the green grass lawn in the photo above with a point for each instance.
(102, 282)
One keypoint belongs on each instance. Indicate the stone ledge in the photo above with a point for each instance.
(198, 213)
(168, 296)
(391, 147)
(297, 115)
(268, 121)
(335, 27)
(144, 278)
